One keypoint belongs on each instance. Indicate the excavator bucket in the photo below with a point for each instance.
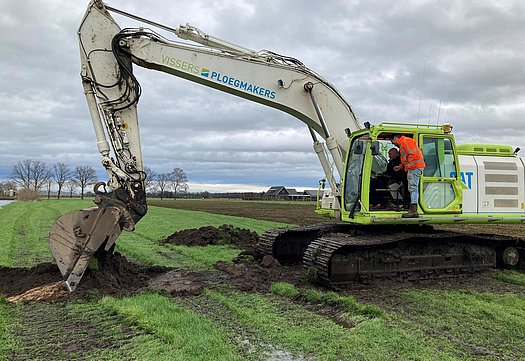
(76, 236)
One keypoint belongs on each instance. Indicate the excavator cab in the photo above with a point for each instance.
(366, 180)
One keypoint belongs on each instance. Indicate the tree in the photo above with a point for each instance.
(61, 173)
(83, 176)
(162, 183)
(70, 185)
(49, 184)
(31, 174)
(178, 181)
(149, 181)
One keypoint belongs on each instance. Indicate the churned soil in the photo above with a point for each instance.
(226, 234)
(115, 276)
(249, 271)
(118, 276)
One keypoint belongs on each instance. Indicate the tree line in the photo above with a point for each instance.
(35, 176)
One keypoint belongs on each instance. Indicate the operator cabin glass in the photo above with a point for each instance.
(439, 173)
(353, 175)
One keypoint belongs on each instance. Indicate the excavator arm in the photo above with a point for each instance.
(112, 92)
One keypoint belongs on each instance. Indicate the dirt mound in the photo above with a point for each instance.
(18, 281)
(248, 272)
(225, 234)
(115, 276)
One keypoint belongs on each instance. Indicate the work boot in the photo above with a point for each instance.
(412, 212)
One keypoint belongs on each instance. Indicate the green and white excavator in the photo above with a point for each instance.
(472, 183)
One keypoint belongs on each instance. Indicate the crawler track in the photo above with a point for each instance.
(288, 245)
(340, 254)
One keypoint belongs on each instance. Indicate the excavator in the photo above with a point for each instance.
(461, 184)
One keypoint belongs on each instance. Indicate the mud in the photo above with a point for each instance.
(226, 234)
(249, 275)
(115, 276)
(246, 273)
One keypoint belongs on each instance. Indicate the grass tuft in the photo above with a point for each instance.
(347, 303)
(509, 276)
(170, 332)
(284, 289)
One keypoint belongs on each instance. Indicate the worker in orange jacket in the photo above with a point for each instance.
(413, 163)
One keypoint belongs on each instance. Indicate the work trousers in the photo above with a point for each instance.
(413, 176)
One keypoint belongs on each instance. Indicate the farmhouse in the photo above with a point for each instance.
(281, 193)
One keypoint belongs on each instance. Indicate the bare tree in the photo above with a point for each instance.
(31, 174)
(83, 176)
(178, 181)
(70, 185)
(61, 173)
(151, 175)
(49, 184)
(162, 182)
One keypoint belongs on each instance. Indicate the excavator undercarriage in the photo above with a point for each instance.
(338, 254)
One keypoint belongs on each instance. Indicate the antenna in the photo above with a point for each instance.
(421, 92)
(439, 111)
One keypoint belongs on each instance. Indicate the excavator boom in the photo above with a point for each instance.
(112, 92)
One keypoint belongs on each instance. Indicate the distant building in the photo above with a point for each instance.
(281, 193)
(312, 193)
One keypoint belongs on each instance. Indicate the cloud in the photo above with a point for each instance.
(413, 61)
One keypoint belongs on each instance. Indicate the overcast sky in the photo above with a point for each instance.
(409, 61)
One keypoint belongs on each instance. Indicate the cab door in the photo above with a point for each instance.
(440, 188)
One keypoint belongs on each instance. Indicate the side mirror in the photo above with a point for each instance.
(375, 147)
(359, 147)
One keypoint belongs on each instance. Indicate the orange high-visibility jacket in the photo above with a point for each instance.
(411, 156)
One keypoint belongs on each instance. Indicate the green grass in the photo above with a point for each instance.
(7, 341)
(170, 332)
(346, 303)
(509, 276)
(142, 245)
(24, 229)
(428, 324)
(284, 289)
(292, 327)
(495, 322)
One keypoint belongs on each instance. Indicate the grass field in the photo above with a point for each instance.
(479, 318)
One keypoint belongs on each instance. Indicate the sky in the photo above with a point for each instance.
(460, 62)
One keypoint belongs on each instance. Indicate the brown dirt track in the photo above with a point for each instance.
(299, 213)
